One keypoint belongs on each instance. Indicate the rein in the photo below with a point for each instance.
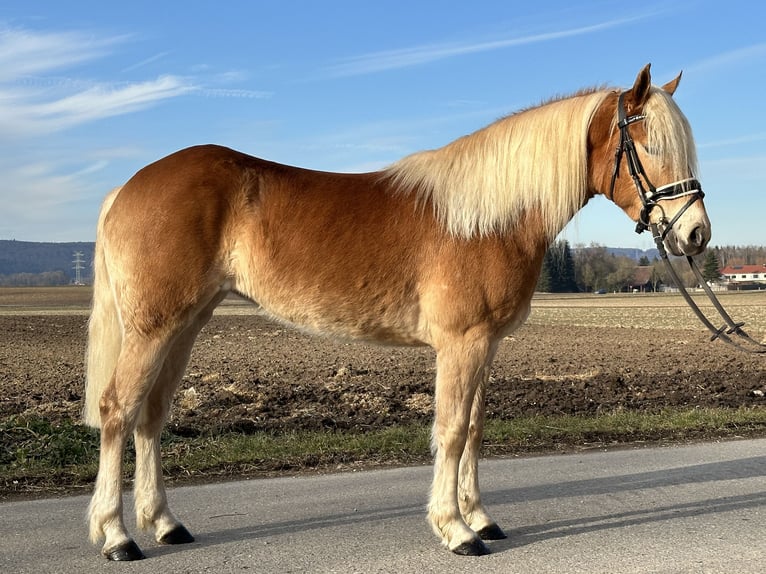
(730, 327)
(650, 198)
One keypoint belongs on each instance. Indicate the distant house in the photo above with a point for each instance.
(744, 276)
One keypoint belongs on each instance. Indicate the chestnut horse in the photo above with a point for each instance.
(442, 248)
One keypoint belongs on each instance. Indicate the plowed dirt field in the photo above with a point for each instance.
(579, 354)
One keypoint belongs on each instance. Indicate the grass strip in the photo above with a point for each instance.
(39, 457)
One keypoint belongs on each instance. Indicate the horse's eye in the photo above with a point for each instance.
(650, 149)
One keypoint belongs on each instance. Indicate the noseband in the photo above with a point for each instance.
(650, 196)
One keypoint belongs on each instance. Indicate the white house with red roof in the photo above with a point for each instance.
(744, 274)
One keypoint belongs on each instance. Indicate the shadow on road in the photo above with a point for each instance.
(667, 478)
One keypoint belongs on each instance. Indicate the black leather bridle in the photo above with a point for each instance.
(650, 198)
(650, 195)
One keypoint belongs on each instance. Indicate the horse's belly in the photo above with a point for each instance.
(350, 321)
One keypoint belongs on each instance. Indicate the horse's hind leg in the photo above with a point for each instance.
(469, 497)
(150, 499)
(137, 367)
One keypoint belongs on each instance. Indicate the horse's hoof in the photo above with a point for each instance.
(491, 532)
(125, 552)
(473, 548)
(179, 535)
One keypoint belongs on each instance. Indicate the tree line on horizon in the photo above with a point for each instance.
(594, 269)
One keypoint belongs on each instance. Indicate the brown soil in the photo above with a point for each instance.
(249, 374)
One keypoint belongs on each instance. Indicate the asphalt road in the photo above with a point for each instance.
(699, 508)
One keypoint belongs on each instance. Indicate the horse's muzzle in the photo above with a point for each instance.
(690, 235)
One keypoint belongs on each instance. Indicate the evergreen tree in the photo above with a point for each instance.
(558, 272)
(544, 281)
(566, 282)
(711, 269)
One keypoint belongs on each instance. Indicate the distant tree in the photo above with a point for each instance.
(659, 274)
(624, 269)
(544, 281)
(563, 268)
(45, 279)
(591, 265)
(740, 254)
(558, 272)
(711, 269)
(644, 261)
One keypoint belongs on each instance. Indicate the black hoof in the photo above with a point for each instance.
(179, 535)
(491, 532)
(473, 548)
(125, 552)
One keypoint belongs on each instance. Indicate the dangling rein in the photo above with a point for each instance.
(731, 332)
(730, 329)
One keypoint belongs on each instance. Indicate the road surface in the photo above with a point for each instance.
(699, 508)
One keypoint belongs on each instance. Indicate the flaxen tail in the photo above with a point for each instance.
(104, 327)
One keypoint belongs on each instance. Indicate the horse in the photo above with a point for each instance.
(443, 248)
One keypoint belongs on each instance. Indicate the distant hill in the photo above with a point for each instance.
(634, 254)
(629, 252)
(21, 259)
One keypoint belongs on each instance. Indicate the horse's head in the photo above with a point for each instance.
(652, 174)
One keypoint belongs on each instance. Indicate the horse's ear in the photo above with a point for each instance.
(671, 86)
(639, 93)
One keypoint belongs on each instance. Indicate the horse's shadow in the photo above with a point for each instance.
(753, 467)
(522, 536)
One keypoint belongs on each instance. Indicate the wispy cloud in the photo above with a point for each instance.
(36, 99)
(52, 200)
(107, 100)
(419, 55)
(40, 94)
(146, 62)
(369, 146)
(740, 174)
(745, 139)
(235, 93)
(25, 52)
(32, 112)
(730, 58)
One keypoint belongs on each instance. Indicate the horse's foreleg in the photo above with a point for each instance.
(469, 497)
(119, 405)
(459, 370)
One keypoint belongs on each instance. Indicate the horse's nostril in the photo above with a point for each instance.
(697, 237)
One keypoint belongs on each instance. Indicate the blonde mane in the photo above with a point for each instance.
(669, 135)
(484, 182)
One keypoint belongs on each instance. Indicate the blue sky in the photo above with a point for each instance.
(92, 91)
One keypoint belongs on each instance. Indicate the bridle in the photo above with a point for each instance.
(650, 197)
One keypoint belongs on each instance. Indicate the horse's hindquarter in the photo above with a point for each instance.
(163, 236)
